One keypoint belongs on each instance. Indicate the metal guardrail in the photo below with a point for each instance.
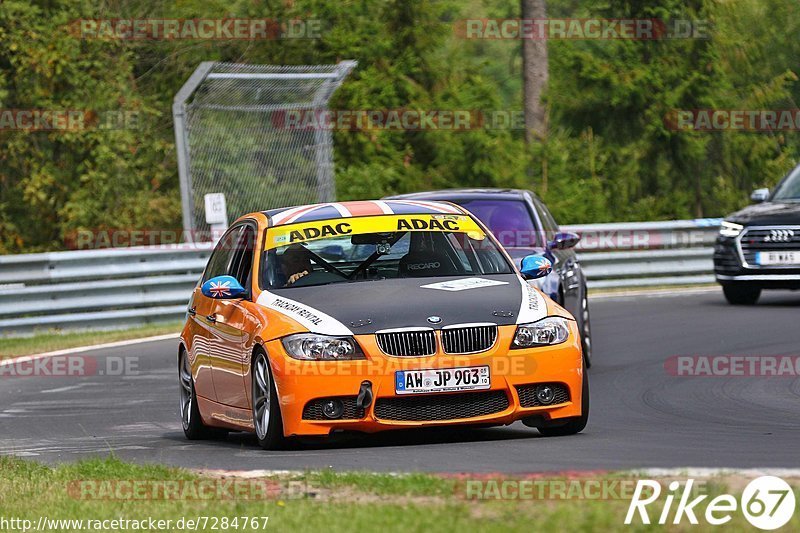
(97, 289)
(126, 287)
(647, 254)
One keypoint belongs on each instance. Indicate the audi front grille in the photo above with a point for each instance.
(768, 239)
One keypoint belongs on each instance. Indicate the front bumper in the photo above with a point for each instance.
(730, 267)
(301, 384)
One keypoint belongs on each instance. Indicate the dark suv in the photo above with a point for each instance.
(524, 226)
(759, 246)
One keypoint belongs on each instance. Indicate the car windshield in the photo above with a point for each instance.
(508, 220)
(362, 255)
(789, 189)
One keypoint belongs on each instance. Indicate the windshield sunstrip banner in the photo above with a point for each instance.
(340, 227)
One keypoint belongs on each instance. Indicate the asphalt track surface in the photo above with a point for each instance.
(641, 416)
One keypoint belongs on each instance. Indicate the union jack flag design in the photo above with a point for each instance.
(545, 267)
(310, 213)
(222, 288)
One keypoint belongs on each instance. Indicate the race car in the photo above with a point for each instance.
(374, 315)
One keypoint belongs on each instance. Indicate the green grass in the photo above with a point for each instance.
(414, 484)
(328, 501)
(54, 340)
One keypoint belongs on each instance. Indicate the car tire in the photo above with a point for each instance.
(741, 294)
(586, 330)
(576, 424)
(192, 422)
(267, 420)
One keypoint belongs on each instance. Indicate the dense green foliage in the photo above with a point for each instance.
(609, 154)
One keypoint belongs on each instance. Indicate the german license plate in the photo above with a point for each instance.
(442, 380)
(778, 258)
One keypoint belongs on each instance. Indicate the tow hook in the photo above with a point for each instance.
(364, 399)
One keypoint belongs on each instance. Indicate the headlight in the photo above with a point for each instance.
(312, 347)
(729, 229)
(545, 332)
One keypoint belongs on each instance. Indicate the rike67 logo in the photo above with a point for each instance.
(767, 502)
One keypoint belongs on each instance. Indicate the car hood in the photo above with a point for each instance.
(768, 213)
(369, 306)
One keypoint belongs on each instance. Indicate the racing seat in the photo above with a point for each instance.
(424, 264)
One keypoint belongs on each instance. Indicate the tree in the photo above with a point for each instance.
(535, 72)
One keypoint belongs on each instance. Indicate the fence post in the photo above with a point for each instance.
(182, 145)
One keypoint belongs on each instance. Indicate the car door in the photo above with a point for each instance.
(229, 324)
(567, 266)
(201, 311)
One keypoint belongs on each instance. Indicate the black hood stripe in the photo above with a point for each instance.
(368, 306)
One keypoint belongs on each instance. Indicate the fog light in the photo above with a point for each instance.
(333, 408)
(545, 394)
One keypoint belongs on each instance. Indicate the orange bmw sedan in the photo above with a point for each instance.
(369, 316)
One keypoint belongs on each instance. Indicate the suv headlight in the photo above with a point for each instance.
(313, 347)
(545, 332)
(729, 229)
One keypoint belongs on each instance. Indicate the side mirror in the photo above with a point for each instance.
(564, 240)
(535, 266)
(222, 288)
(759, 195)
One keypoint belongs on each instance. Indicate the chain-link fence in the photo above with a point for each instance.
(232, 137)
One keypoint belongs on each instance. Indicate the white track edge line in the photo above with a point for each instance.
(689, 471)
(81, 349)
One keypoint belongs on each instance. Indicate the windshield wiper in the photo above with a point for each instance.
(344, 281)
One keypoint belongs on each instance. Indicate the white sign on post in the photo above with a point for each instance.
(216, 213)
